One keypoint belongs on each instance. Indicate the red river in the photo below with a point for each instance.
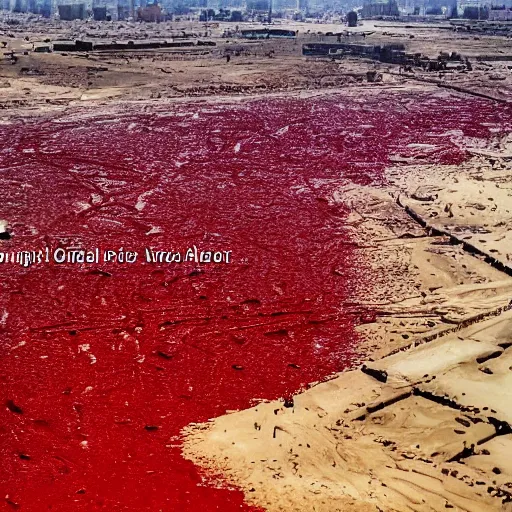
(103, 363)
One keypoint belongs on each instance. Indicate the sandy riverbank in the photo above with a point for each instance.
(424, 423)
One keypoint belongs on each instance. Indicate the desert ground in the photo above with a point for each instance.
(40, 80)
(421, 420)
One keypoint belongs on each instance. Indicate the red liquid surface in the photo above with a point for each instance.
(99, 371)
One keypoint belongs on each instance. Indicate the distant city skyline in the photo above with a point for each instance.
(124, 8)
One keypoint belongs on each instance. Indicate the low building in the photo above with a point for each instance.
(267, 33)
(42, 49)
(502, 14)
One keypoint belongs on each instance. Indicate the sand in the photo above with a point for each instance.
(42, 81)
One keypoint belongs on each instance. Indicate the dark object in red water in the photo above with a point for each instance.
(13, 407)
